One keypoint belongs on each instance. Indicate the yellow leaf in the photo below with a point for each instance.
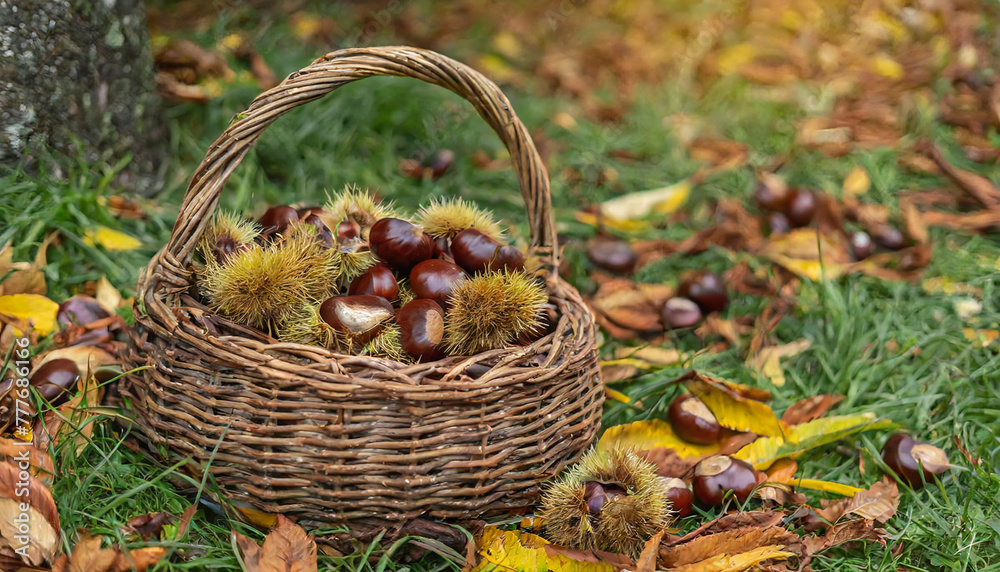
(616, 395)
(807, 253)
(732, 409)
(24, 311)
(827, 486)
(651, 434)
(507, 44)
(805, 436)
(888, 67)
(626, 226)
(857, 182)
(980, 338)
(654, 355)
(737, 562)
(111, 239)
(108, 296)
(639, 204)
(515, 551)
(732, 59)
(767, 361)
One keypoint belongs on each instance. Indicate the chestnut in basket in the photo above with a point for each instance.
(720, 474)
(421, 327)
(400, 244)
(705, 288)
(348, 230)
(473, 249)
(359, 317)
(323, 233)
(376, 281)
(692, 421)
(435, 279)
(55, 379)
(277, 219)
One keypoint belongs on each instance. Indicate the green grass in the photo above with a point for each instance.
(863, 331)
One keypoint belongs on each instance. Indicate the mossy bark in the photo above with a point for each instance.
(77, 76)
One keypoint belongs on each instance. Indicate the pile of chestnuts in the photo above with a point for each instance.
(358, 277)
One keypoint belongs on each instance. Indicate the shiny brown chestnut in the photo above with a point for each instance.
(888, 236)
(323, 233)
(910, 459)
(770, 197)
(612, 254)
(680, 313)
(705, 288)
(304, 212)
(80, 309)
(508, 258)
(861, 245)
(277, 218)
(474, 250)
(361, 316)
(801, 207)
(442, 249)
(348, 230)
(55, 380)
(598, 494)
(435, 279)
(692, 421)
(399, 243)
(679, 494)
(376, 281)
(421, 327)
(717, 475)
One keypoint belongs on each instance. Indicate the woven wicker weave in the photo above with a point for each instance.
(335, 439)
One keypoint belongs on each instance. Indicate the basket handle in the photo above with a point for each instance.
(331, 72)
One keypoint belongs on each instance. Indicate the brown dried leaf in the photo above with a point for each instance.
(148, 525)
(782, 471)
(287, 548)
(729, 542)
(747, 519)
(845, 532)
(17, 451)
(43, 542)
(647, 560)
(979, 187)
(623, 303)
(878, 503)
(808, 253)
(24, 278)
(722, 154)
(88, 556)
(767, 361)
(810, 408)
(138, 560)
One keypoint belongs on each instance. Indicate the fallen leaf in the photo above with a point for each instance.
(768, 360)
(722, 154)
(639, 204)
(827, 486)
(856, 182)
(845, 532)
(782, 471)
(87, 358)
(148, 525)
(43, 518)
(727, 542)
(108, 296)
(980, 338)
(24, 278)
(878, 503)
(287, 548)
(515, 550)
(647, 560)
(139, 559)
(621, 302)
(737, 562)
(809, 254)
(88, 556)
(616, 371)
(654, 355)
(111, 239)
(806, 436)
(732, 407)
(651, 434)
(810, 408)
(27, 311)
(670, 464)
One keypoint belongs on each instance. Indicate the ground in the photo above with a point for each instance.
(614, 111)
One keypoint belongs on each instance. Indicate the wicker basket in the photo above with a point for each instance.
(335, 439)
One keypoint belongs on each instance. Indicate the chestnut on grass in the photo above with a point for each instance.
(80, 309)
(679, 494)
(705, 288)
(801, 207)
(720, 474)
(692, 421)
(376, 281)
(399, 243)
(681, 313)
(888, 236)
(421, 326)
(909, 458)
(771, 197)
(435, 279)
(612, 254)
(55, 379)
(358, 318)
(861, 244)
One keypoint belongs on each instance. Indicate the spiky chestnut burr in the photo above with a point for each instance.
(263, 284)
(490, 310)
(306, 326)
(358, 205)
(609, 501)
(447, 217)
(387, 345)
(228, 234)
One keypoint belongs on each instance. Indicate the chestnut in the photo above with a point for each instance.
(277, 219)
(304, 212)
(719, 474)
(705, 289)
(361, 316)
(861, 245)
(225, 246)
(801, 207)
(777, 223)
(55, 379)
(439, 162)
(376, 281)
(399, 244)
(692, 421)
(598, 494)
(421, 328)
(473, 250)
(323, 233)
(434, 280)
(771, 198)
(680, 313)
(679, 494)
(80, 310)
(612, 254)
(888, 236)
(909, 459)
(442, 249)
(347, 231)
(508, 258)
